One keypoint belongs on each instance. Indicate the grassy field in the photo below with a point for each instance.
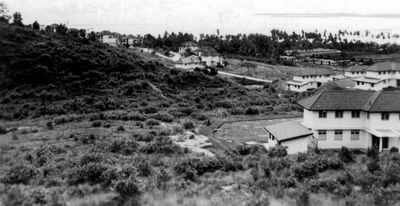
(244, 131)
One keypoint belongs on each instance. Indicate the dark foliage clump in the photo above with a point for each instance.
(161, 145)
(88, 173)
(246, 149)
(346, 155)
(20, 174)
(123, 146)
(277, 151)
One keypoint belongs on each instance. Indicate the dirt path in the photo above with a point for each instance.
(245, 77)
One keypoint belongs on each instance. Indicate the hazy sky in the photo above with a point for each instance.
(205, 16)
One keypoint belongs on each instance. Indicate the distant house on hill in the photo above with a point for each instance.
(209, 57)
(355, 71)
(315, 56)
(379, 76)
(188, 46)
(309, 78)
(190, 63)
(110, 39)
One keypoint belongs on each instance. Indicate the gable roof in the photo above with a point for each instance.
(313, 71)
(284, 131)
(384, 66)
(207, 51)
(380, 101)
(356, 68)
(188, 60)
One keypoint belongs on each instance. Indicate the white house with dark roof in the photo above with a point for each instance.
(309, 78)
(355, 71)
(209, 57)
(354, 119)
(291, 134)
(379, 76)
(190, 63)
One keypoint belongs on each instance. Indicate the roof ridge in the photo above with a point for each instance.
(372, 99)
(319, 96)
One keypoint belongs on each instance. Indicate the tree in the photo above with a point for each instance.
(17, 19)
(61, 29)
(82, 33)
(3, 13)
(36, 25)
(92, 36)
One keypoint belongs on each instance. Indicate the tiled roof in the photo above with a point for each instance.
(288, 130)
(368, 80)
(385, 66)
(386, 101)
(380, 101)
(208, 51)
(188, 60)
(346, 82)
(356, 68)
(313, 71)
(293, 82)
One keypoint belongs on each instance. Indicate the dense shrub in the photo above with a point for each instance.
(346, 155)
(123, 146)
(188, 125)
(163, 116)
(152, 122)
(127, 188)
(277, 151)
(20, 174)
(252, 111)
(150, 110)
(373, 166)
(373, 152)
(197, 165)
(89, 173)
(394, 150)
(144, 168)
(246, 149)
(315, 165)
(3, 129)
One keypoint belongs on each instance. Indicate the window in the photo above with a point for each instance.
(322, 134)
(372, 84)
(355, 135)
(338, 134)
(358, 83)
(339, 114)
(379, 73)
(385, 116)
(355, 114)
(322, 114)
(385, 143)
(367, 115)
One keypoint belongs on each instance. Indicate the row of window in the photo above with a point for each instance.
(354, 135)
(314, 76)
(354, 114)
(357, 72)
(362, 83)
(389, 72)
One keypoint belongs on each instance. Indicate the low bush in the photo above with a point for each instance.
(90, 173)
(127, 188)
(394, 150)
(346, 155)
(152, 122)
(144, 168)
(163, 116)
(20, 174)
(123, 146)
(246, 149)
(96, 124)
(277, 151)
(315, 165)
(252, 111)
(188, 125)
(198, 166)
(3, 129)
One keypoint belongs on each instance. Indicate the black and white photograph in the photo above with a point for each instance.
(199, 103)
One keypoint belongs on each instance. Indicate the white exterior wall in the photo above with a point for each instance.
(212, 60)
(368, 86)
(302, 88)
(189, 66)
(317, 78)
(364, 124)
(354, 74)
(295, 146)
(109, 39)
(364, 140)
(375, 121)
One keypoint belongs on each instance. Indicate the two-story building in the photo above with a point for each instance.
(355, 71)
(308, 79)
(209, 57)
(348, 118)
(379, 76)
(190, 63)
(354, 119)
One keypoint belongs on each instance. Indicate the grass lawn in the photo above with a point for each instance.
(246, 131)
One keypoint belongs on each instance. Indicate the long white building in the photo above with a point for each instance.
(308, 79)
(375, 77)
